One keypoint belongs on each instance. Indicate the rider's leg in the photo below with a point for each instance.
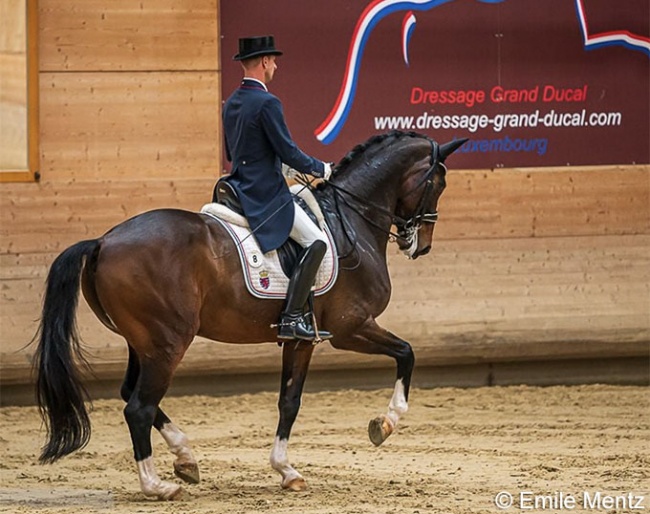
(293, 324)
(304, 231)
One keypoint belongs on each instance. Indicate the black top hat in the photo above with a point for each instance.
(255, 46)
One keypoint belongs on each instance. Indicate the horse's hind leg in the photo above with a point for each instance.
(185, 465)
(155, 375)
(373, 339)
(295, 363)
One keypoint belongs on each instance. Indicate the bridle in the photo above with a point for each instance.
(407, 229)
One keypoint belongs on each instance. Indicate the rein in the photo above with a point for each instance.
(406, 228)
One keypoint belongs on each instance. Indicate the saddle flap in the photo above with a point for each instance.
(264, 275)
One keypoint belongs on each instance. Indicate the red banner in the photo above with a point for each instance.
(558, 82)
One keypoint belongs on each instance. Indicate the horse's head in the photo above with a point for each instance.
(417, 204)
(393, 179)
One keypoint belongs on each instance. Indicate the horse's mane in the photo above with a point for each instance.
(372, 141)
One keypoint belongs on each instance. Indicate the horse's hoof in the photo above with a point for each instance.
(379, 429)
(188, 472)
(172, 493)
(297, 484)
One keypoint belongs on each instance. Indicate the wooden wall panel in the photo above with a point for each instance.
(130, 99)
(466, 302)
(546, 202)
(98, 126)
(13, 90)
(527, 264)
(13, 93)
(49, 217)
(53, 214)
(96, 35)
(13, 111)
(12, 25)
(546, 288)
(480, 296)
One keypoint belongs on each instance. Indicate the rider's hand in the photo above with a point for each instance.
(288, 172)
(328, 171)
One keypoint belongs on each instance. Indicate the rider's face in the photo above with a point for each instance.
(268, 62)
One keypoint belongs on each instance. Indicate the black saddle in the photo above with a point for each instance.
(290, 252)
(225, 194)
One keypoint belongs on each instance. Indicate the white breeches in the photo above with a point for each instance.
(305, 232)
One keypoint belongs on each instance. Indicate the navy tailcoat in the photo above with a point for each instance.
(258, 142)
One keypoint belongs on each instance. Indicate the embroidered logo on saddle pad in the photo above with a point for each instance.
(263, 273)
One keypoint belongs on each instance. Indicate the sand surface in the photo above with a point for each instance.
(454, 451)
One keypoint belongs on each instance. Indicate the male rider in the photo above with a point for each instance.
(258, 142)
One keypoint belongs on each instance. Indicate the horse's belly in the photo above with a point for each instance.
(243, 321)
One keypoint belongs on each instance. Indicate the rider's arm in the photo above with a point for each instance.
(272, 118)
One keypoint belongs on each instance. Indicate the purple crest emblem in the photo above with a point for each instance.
(265, 281)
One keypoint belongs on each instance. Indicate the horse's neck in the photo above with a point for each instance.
(376, 190)
(373, 195)
(373, 178)
(377, 173)
(375, 184)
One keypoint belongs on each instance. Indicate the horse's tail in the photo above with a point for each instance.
(60, 392)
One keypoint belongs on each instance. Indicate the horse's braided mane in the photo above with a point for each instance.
(373, 140)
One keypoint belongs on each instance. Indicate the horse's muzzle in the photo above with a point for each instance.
(424, 251)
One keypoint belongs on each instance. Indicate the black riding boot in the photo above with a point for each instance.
(293, 324)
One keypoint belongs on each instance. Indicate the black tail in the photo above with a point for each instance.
(60, 393)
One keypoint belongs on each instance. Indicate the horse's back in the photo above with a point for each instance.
(171, 225)
(172, 240)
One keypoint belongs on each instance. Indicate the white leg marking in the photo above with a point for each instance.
(280, 462)
(398, 404)
(383, 426)
(177, 441)
(185, 465)
(151, 485)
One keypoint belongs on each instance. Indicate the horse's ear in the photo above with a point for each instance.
(448, 148)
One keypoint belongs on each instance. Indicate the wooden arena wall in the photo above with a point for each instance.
(528, 264)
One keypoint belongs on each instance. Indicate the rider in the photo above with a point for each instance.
(258, 142)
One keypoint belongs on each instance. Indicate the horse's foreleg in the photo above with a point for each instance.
(373, 339)
(295, 363)
(384, 425)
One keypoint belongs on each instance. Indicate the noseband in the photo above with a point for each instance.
(407, 229)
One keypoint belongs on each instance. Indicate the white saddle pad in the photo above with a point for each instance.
(263, 273)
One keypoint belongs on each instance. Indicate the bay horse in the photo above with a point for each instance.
(165, 276)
